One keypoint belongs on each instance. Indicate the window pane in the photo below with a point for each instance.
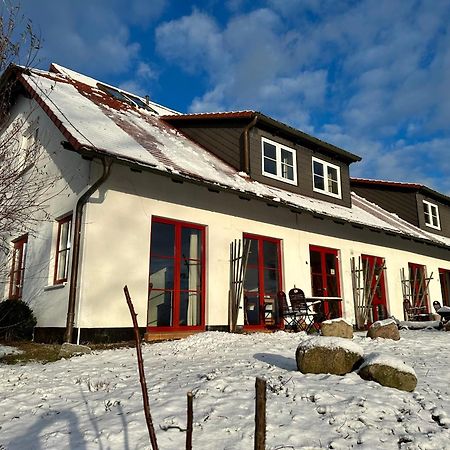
(270, 151)
(251, 282)
(333, 187)
(190, 275)
(332, 174)
(270, 254)
(163, 239)
(270, 281)
(190, 243)
(190, 309)
(319, 182)
(62, 265)
(287, 157)
(318, 168)
(161, 273)
(64, 237)
(160, 309)
(253, 253)
(287, 172)
(270, 166)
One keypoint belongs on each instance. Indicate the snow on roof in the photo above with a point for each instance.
(93, 83)
(387, 183)
(93, 120)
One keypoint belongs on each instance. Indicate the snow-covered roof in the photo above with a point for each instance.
(92, 120)
(398, 185)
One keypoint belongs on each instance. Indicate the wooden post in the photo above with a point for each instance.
(148, 417)
(190, 420)
(260, 414)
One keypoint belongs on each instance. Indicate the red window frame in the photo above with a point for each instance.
(444, 277)
(62, 250)
(179, 225)
(323, 251)
(260, 266)
(18, 267)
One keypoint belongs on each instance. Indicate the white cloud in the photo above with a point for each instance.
(93, 37)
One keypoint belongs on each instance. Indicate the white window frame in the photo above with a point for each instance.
(432, 208)
(326, 165)
(278, 148)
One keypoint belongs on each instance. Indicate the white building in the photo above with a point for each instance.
(149, 197)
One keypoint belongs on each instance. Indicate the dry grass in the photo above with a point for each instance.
(46, 353)
(31, 352)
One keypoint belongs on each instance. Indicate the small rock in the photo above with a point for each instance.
(337, 327)
(67, 350)
(326, 354)
(386, 329)
(388, 371)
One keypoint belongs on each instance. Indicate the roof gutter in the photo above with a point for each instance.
(106, 163)
(246, 146)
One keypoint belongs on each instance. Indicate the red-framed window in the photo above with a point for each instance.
(18, 267)
(444, 277)
(62, 250)
(418, 286)
(177, 275)
(325, 277)
(263, 278)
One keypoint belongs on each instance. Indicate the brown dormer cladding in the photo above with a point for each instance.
(406, 200)
(236, 138)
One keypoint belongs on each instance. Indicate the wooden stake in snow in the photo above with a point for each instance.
(260, 414)
(190, 420)
(148, 417)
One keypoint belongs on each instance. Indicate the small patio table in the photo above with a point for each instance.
(444, 312)
(325, 313)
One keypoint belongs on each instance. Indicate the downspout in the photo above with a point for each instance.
(246, 146)
(107, 163)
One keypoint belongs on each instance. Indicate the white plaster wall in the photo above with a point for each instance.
(117, 245)
(72, 174)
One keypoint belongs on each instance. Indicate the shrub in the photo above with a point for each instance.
(16, 320)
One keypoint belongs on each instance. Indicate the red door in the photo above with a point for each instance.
(444, 276)
(373, 268)
(18, 268)
(262, 278)
(177, 276)
(418, 286)
(325, 279)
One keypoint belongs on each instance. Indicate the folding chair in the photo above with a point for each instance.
(306, 315)
(287, 316)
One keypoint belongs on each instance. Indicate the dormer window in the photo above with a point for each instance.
(431, 215)
(326, 178)
(278, 161)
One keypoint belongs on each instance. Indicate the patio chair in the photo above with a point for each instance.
(306, 315)
(287, 316)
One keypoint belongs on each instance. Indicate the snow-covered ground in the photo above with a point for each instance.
(94, 401)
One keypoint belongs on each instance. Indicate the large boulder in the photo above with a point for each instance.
(338, 328)
(326, 354)
(386, 329)
(388, 371)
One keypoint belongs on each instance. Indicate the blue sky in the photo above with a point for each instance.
(370, 76)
